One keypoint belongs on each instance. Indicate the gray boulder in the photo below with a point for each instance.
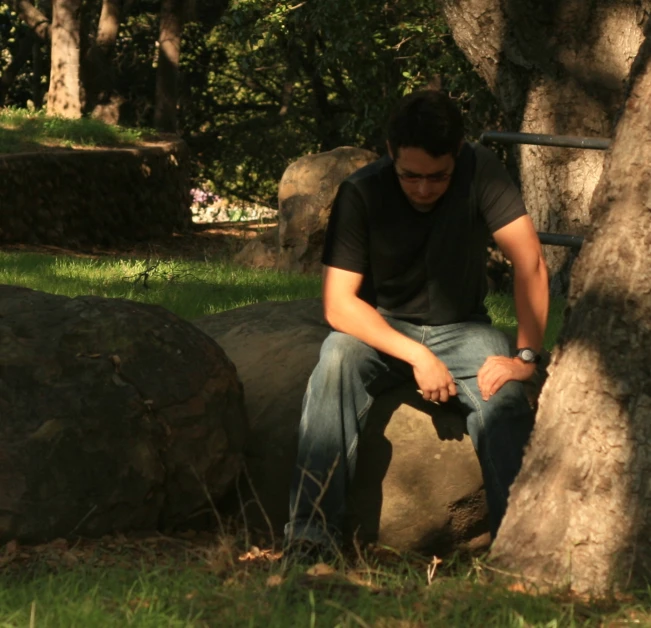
(114, 416)
(306, 193)
(418, 484)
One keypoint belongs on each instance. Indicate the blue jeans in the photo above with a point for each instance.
(344, 384)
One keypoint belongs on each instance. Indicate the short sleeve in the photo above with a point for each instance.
(499, 200)
(346, 240)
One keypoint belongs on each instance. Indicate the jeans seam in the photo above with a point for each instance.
(359, 415)
(489, 458)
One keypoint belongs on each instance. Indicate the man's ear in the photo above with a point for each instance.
(389, 149)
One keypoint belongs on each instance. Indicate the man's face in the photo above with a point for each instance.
(423, 178)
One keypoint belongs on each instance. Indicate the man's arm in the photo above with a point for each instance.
(347, 313)
(520, 244)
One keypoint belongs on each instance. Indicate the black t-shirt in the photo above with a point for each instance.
(428, 268)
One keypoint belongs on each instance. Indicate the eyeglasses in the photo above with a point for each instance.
(412, 177)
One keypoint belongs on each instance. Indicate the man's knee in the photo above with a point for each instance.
(342, 349)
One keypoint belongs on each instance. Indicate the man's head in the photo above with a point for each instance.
(424, 139)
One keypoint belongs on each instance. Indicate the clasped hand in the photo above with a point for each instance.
(497, 370)
(436, 383)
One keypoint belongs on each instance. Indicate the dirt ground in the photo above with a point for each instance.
(204, 241)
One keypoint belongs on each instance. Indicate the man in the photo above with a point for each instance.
(403, 289)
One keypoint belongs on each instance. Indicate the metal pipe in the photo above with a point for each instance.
(563, 141)
(560, 239)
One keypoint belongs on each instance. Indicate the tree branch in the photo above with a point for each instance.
(36, 20)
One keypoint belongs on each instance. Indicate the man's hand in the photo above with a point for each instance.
(433, 377)
(497, 370)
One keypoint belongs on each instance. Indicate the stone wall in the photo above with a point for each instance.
(95, 196)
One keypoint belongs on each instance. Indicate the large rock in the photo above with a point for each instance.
(113, 416)
(306, 193)
(418, 484)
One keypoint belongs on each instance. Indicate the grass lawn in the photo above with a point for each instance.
(192, 289)
(219, 580)
(158, 581)
(22, 130)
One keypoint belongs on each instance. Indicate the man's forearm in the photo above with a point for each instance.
(359, 319)
(531, 292)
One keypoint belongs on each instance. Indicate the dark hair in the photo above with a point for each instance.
(426, 119)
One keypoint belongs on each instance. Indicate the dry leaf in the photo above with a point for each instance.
(320, 569)
(118, 381)
(69, 559)
(58, 544)
(11, 547)
(517, 587)
(274, 581)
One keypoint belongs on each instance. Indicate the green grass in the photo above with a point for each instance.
(188, 288)
(183, 583)
(192, 289)
(22, 130)
(209, 585)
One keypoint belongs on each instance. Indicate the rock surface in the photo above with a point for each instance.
(306, 193)
(84, 197)
(418, 484)
(114, 415)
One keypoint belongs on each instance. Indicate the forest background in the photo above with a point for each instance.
(251, 85)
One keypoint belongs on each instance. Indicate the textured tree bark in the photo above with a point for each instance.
(580, 509)
(63, 96)
(97, 70)
(555, 67)
(34, 18)
(167, 77)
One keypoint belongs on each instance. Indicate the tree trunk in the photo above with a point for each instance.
(63, 96)
(36, 20)
(97, 69)
(555, 67)
(588, 468)
(167, 77)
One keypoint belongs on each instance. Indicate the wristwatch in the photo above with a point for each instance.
(528, 355)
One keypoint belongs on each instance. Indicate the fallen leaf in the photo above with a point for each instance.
(320, 569)
(69, 559)
(517, 587)
(274, 581)
(58, 544)
(11, 547)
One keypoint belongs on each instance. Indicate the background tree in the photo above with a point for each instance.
(98, 73)
(555, 67)
(64, 93)
(296, 74)
(167, 76)
(588, 468)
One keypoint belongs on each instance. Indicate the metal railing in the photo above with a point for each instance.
(561, 141)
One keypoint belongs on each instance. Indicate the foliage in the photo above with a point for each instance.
(266, 81)
(306, 80)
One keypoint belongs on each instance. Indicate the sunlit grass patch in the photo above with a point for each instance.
(192, 289)
(188, 288)
(21, 129)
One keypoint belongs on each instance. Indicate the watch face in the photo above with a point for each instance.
(528, 355)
